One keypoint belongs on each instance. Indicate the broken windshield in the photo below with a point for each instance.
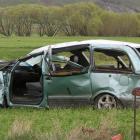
(32, 61)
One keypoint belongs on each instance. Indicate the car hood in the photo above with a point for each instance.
(4, 64)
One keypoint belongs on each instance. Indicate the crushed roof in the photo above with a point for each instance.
(91, 42)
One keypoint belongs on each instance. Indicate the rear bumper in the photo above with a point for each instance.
(130, 102)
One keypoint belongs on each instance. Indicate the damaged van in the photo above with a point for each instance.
(101, 73)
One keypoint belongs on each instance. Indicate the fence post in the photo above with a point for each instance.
(135, 93)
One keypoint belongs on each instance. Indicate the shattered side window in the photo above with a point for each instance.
(111, 61)
(70, 62)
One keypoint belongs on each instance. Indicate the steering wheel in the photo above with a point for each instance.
(75, 64)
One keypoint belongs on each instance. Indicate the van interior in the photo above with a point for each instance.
(26, 87)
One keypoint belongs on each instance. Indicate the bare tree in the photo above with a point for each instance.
(6, 23)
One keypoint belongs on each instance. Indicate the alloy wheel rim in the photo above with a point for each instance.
(107, 102)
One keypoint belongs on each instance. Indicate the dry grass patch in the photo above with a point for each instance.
(105, 131)
(20, 129)
(107, 128)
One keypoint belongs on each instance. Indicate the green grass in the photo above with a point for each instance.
(64, 120)
(58, 121)
(15, 47)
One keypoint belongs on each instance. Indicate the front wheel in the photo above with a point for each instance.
(4, 104)
(106, 101)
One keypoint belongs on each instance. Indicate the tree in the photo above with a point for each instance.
(22, 20)
(129, 25)
(6, 22)
(85, 20)
(52, 21)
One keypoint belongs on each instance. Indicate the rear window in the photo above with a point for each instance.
(111, 61)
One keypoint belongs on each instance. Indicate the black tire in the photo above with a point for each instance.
(101, 103)
(4, 104)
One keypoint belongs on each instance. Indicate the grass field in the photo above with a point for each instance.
(15, 47)
(62, 122)
(59, 124)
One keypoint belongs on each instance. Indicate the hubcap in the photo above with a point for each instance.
(107, 101)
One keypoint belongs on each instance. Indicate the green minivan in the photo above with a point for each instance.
(101, 73)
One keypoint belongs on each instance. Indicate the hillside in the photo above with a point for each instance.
(120, 5)
(113, 5)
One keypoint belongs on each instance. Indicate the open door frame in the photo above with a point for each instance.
(44, 102)
(46, 74)
(1, 89)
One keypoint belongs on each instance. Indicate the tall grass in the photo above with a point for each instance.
(109, 124)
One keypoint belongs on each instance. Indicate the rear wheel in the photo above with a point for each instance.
(106, 101)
